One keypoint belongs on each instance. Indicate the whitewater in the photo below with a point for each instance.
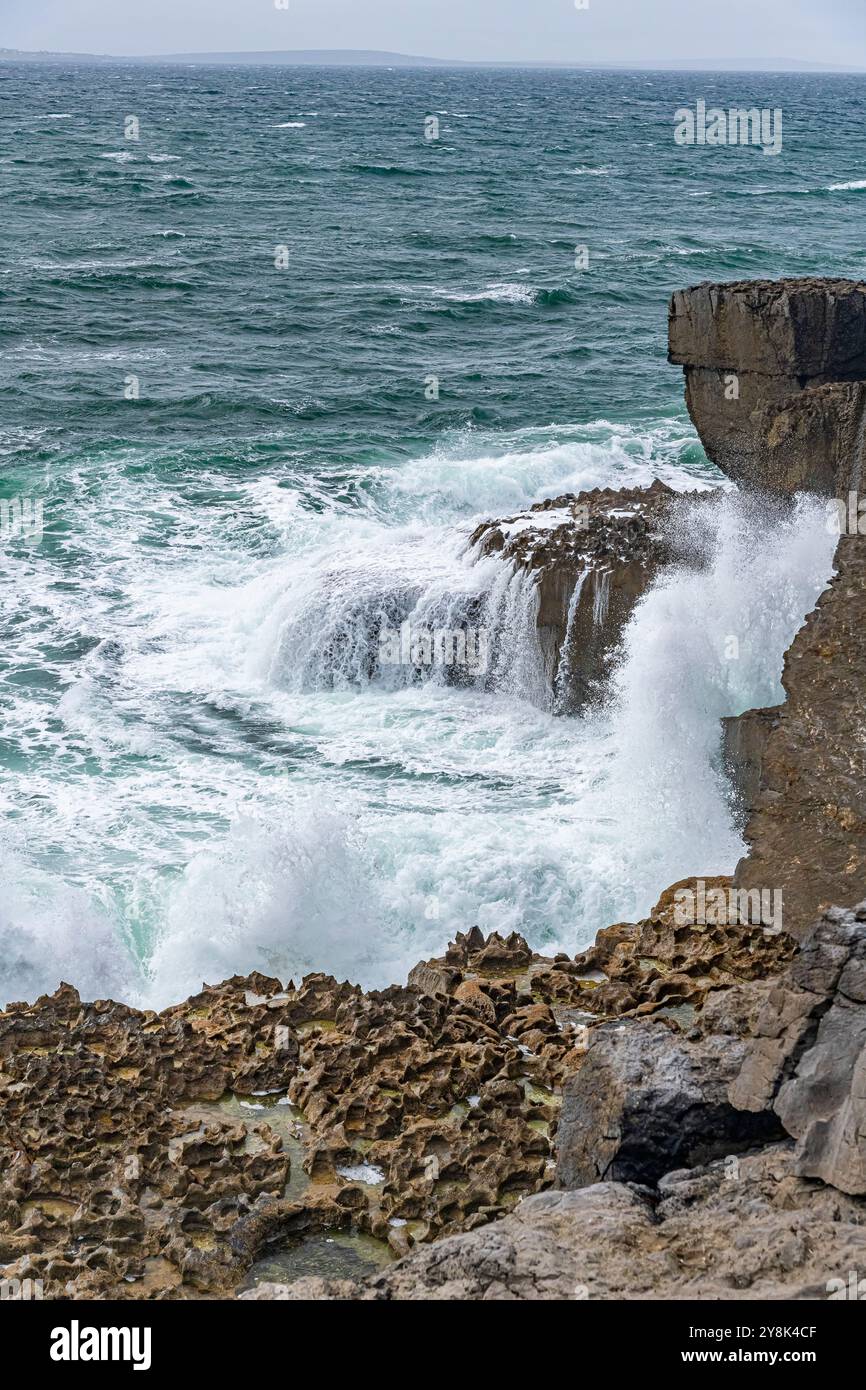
(231, 783)
(246, 473)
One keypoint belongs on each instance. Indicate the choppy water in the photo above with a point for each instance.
(198, 775)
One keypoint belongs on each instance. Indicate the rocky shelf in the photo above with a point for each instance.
(593, 555)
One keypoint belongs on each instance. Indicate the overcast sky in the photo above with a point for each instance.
(830, 31)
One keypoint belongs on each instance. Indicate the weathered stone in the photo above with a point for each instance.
(776, 380)
(594, 555)
(739, 1228)
(809, 1058)
(809, 327)
(115, 1140)
(662, 965)
(646, 1101)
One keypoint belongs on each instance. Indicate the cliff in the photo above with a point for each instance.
(775, 374)
(797, 349)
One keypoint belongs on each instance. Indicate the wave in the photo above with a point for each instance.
(392, 171)
(306, 808)
(52, 931)
(288, 896)
(708, 640)
(498, 292)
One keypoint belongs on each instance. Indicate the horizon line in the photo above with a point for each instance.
(353, 57)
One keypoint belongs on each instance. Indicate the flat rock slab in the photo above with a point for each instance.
(790, 328)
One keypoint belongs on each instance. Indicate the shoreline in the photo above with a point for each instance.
(510, 1125)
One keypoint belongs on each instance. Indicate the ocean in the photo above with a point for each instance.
(272, 342)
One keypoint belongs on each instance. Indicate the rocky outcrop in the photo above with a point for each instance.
(806, 829)
(152, 1155)
(647, 1100)
(668, 967)
(696, 1088)
(808, 1060)
(776, 386)
(594, 555)
(776, 380)
(674, 1178)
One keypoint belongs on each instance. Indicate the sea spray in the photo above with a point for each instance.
(746, 570)
(228, 783)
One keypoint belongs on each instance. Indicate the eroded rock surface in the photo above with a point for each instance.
(662, 966)
(157, 1155)
(742, 1227)
(807, 828)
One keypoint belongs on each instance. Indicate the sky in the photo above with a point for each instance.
(816, 31)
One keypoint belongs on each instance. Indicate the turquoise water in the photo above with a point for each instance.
(242, 470)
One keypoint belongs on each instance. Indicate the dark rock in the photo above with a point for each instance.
(646, 1101)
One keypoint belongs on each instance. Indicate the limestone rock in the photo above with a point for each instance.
(809, 1057)
(662, 966)
(738, 1228)
(807, 828)
(776, 380)
(646, 1101)
(594, 555)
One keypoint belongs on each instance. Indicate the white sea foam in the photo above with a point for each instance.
(498, 292)
(365, 1173)
(847, 187)
(241, 789)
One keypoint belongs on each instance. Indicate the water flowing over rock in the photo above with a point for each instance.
(806, 829)
(694, 1086)
(776, 380)
(593, 555)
